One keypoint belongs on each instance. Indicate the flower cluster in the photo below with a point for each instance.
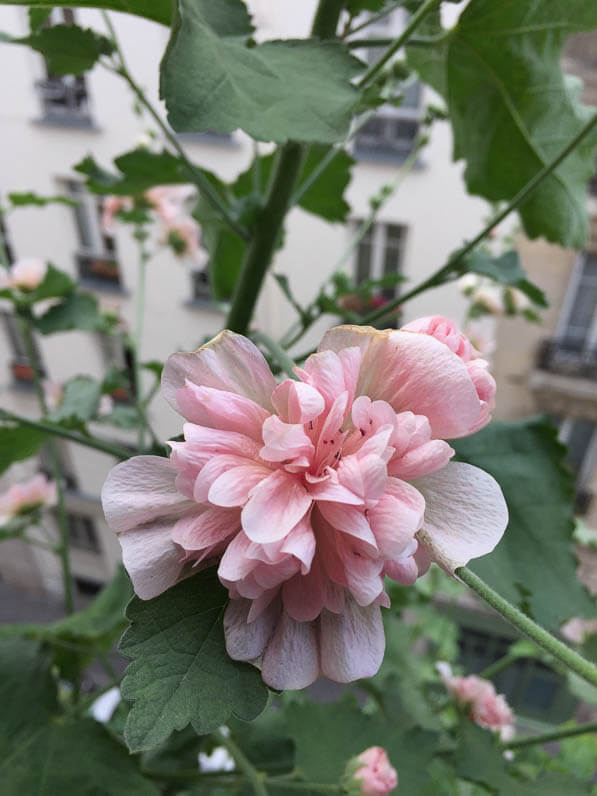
(307, 493)
(486, 708)
(23, 498)
(25, 274)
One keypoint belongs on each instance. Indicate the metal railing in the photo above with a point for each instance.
(568, 358)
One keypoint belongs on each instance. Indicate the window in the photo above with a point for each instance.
(578, 326)
(20, 365)
(200, 286)
(390, 134)
(86, 587)
(96, 258)
(580, 437)
(83, 534)
(64, 98)
(120, 359)
(379, 254)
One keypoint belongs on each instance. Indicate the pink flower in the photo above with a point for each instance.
(112, 205)
(24, 497)
(169, 200)
(53, 394)
(487, 708)
(376, 774)
(26, 274)
(307, 493)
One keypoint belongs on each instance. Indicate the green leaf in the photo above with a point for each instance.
(533, 565)
(28, 198)
(76, 311)
(139, 170)
(123, 417)
(68, 49)
(507, 126)
(181, 672)
(158, 10)
(18, 443)
(80, 402)
(55, 285)
(355, 7)
(38, 17)
(274, 91)
(505, 269)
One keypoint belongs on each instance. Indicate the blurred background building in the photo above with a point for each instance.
(49, 123)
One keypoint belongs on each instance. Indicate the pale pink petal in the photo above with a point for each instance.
(402, 570)
(284, 441)
(140, 490)
(304, 595)
(245, 641)
(363, 573)
(233, 488)
(465, 514)
(214, 468)
(300, 543)
(332, 491)
(206, 529)
(350, 520)
(270, 576)
(412, 371)
(228, 362)
(444, 330)
(427, 458)
(326, 374)
(352, 643)
(275, 507)
(396, 518)
(235, 564)
(297, 402)
(206, 406)
(365, 476)
(213, 441)
(291, 658)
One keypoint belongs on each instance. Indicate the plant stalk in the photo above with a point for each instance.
(559, 650)
(449, 270)
(139, 317)
(242, 762)
(554, 735)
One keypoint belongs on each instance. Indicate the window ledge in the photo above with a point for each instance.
(103, 286)
(69, 122)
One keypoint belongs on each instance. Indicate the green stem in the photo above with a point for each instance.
(449, 270)
(326, 18)
(195, 173)
(73, 436)
(414, 22)
(308, 786)
(243, 763)
(499, 665)
(555, 735)
(370, 20)
(3, 253)
(574, 661)
(139, 313)
(63, 549)
(277, 352)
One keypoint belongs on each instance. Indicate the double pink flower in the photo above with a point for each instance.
(307, 493)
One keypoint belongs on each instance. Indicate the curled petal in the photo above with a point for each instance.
(297, 402)
(396, 518)
(276, 505)
(228, 362)
(206, 406)
(465, 514)
(284, 441)
(291, 658)
(352, 643)
(245, 641)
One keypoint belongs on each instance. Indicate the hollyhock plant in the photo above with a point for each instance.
(486, 708)
(308, 492)
(371, 773)
(25, 274)
(26, 496)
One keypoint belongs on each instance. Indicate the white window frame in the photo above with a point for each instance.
(379, 239)
(574, 284)
(589, 460)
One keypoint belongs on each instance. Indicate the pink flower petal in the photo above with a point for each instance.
(234, 487)
(304, 595)
(402, 570)
(235, 564)
(427, 458)
(365, 476)
(208, 528)
(275, 507)
(300, 543)
(412, 371)
(246, 641)
(291, 659)
(352, 643)
(228, 362)
(350, 520)
(213, 441)
(206, 406)
(141, 489)
(465, 514)
(363, 573)
(284, 441)
(396, 518)
(297, 402)
(215, 467)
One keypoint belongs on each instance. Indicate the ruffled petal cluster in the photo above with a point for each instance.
(308, 493)
(374, 773)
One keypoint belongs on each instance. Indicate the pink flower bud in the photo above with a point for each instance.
(26, 496)
(376, 774)
(26, 274)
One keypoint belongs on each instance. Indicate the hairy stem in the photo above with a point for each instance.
(554, 735)
(559, 650)
(195, 173)
(450, 270)
(374, 17)
(74, 436)
(413, 24)
(63, 549)
(243, 763)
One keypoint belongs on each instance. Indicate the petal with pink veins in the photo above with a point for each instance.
(233, 487)
(245, 641)
(465, 514)
(229, 362)
(363, 573)
(366, 476)
(211, 441)
(334, 492)
(275, 507)
(140, 490)
(402, 570)
(297, 402)
(412, 371)
(300, 543)
(235, 564)
(396, 517)
(352, 643)
(427, 458)
(291, 658)
(284, 441)
(350, 520)
(199, 531)
(304, 595)
(215, 467)
(206, 406)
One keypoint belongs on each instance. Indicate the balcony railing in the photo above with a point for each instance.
(568, 358)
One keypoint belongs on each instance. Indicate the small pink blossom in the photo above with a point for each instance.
(26, 274)
(112, 205)
(169, 201)
(375, 773)
(307, 493)
(486, 708)
(24, 497)
(53, 393)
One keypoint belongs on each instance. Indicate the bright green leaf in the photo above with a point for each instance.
(80, 402)
(533, 565)
(28, 198)
(76, 311)
(68, 49)
(18, 443)
(180, 672)
(274, 91)
(158, 10)
(507, 126)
